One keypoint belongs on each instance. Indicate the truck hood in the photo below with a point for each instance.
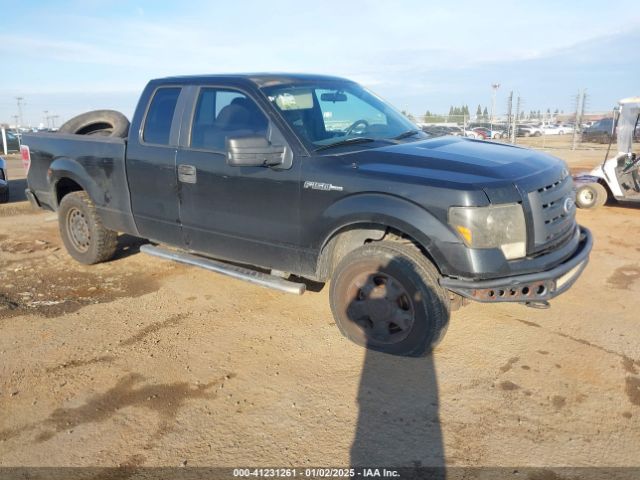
(462, 162)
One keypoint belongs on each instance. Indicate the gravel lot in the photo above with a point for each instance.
(143, 362)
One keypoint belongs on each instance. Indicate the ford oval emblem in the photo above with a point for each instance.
(568, 204)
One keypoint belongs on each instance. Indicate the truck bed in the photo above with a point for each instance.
(96, 163)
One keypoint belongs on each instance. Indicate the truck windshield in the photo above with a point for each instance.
(327, 114)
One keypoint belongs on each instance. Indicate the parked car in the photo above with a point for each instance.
(404, 226)
(13, 141)
(455, 131)
(486, 133)
(527, 130)
(4, 181)
(441, 130)
(555, 130)
(436, 130)
(470, 133)
(599, 132)
(483, 133)
(495, 131)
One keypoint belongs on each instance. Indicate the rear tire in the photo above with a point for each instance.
(107, 123)
(82, 232)
(385, 296)
(591, 195)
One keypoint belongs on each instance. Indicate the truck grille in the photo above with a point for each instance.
(553, 211)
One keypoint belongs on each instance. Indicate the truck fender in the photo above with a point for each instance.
(68, 168)
(373, 211)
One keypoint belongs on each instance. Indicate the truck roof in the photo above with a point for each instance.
(259, 79)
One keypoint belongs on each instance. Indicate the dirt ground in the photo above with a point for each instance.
(143, 362)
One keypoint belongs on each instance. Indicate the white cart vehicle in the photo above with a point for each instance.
(619, 175)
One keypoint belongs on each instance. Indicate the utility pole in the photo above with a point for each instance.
(15, 120)
(20, 104)
(53, 120)
(495, 87)
(509, 113)
(46, 117)
(515, 121)
(581, 99)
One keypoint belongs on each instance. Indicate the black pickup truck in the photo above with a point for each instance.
(276, 178)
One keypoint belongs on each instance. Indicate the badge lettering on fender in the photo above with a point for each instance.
(322, 186)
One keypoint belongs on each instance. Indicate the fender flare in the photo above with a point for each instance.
(65, 167)
(377, 209)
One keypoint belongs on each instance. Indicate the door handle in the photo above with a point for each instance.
(187, 174)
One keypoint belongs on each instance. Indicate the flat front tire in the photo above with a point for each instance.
(385, 296)
(83, 234)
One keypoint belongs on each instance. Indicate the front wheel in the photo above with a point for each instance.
(82, 232)
(385, 296)
(591, 195)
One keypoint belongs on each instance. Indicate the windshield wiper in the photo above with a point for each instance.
(346, 141)
(407, 134)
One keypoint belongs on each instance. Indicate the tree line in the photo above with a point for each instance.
(482, 113)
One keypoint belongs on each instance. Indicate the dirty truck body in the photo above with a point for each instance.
(316, 177)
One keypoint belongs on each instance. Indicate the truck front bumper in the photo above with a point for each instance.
(532, 287)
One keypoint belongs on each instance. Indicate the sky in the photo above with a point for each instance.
(67, 57)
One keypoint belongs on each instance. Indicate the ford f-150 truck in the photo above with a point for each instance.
(276, 178)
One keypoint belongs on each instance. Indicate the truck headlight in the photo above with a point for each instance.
(495, 226)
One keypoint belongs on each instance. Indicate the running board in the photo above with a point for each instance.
(234, 271)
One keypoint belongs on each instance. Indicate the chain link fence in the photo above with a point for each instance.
(535, 129)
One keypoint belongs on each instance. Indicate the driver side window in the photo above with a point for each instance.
(222, 114)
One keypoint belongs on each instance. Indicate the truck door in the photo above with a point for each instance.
(151, 166)
(245, 214)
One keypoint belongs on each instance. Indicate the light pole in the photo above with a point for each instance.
(20, 104)
(494, 87)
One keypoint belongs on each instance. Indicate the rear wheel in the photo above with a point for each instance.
(385, 296)
(82, 232)
(591, 195)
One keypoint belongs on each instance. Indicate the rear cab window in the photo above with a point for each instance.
(157, 125)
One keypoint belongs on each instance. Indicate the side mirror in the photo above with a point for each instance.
(253, 151)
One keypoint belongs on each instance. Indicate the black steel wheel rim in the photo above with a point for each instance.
(78, 229)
